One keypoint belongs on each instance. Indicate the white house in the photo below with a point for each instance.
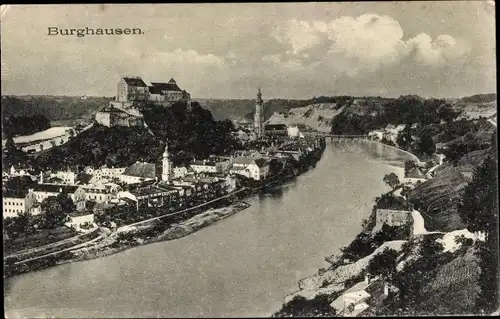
(257, 169)
(353, 301)
(77, 219)
(102, 193)
(67, 177)
(138, 172)
(392, 131)
(180, 171)
(43, 191)
(14, 204)
(377, 134)
(204, 166)
(108, 172)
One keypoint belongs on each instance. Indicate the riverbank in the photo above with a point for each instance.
(160, 228)
(342, 272)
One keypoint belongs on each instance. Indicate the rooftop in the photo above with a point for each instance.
(134, 81)
(150, 190)
(206, 163)
(141, 169)
(52, 188)
(276, 127)
(158, 87)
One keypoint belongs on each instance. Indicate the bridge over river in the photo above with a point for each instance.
(334, 137)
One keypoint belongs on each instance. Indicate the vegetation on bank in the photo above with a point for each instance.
(24, 125)
(12, 155)
(403, 110)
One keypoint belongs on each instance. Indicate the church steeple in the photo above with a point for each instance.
(166, 165)
(259, 97)
(259, 116)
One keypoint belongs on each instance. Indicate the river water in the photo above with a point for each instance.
(241, 266)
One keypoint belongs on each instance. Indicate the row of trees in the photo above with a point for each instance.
(407, 110)
(24, 125)
(479, 209)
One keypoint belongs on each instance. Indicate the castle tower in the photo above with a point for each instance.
(166, 166)
(258, 122)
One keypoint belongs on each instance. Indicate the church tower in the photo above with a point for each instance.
(258, 122)
(166, 166)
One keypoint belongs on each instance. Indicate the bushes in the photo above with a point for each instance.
(301, 307)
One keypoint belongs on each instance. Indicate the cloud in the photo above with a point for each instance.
(365, 44)
(299, 34)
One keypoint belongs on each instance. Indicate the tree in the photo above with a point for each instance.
(302, 307)
(425, 144)
(392, 180)
(383, 264)
(404, 139)
(55, 210)
(409, 165)
(479, 209)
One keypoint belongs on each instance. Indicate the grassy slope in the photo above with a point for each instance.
(442, 192)
(316, 116)
(454, 288)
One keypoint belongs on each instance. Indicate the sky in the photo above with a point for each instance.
(289, 50)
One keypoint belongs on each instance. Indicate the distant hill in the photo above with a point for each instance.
(480, 98)
(62, 109)
(480, 105)
(244, 109)
(227, 109)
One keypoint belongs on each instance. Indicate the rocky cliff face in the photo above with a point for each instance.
(316, 116)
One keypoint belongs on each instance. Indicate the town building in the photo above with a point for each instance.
(362, 299)
(180, 172)
(14, 204)
(377, 134)
(204, 166)
(132, 89)
(108, 173)
(135, 90)
(78, 219)
(66, 177)
(167, 167)
(167, 93)
(138, 172)
(295, 131)
(392, 217)
(259, 116)
(150, 196)
(102, 193)
(257, 169)
(20, 169)
(276, 130)
(392, 131)
(44, 191)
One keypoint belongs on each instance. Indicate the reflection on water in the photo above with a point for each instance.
(244, 265)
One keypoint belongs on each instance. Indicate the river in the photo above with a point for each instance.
(242, 266)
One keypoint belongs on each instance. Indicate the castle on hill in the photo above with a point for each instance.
(133, 93)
